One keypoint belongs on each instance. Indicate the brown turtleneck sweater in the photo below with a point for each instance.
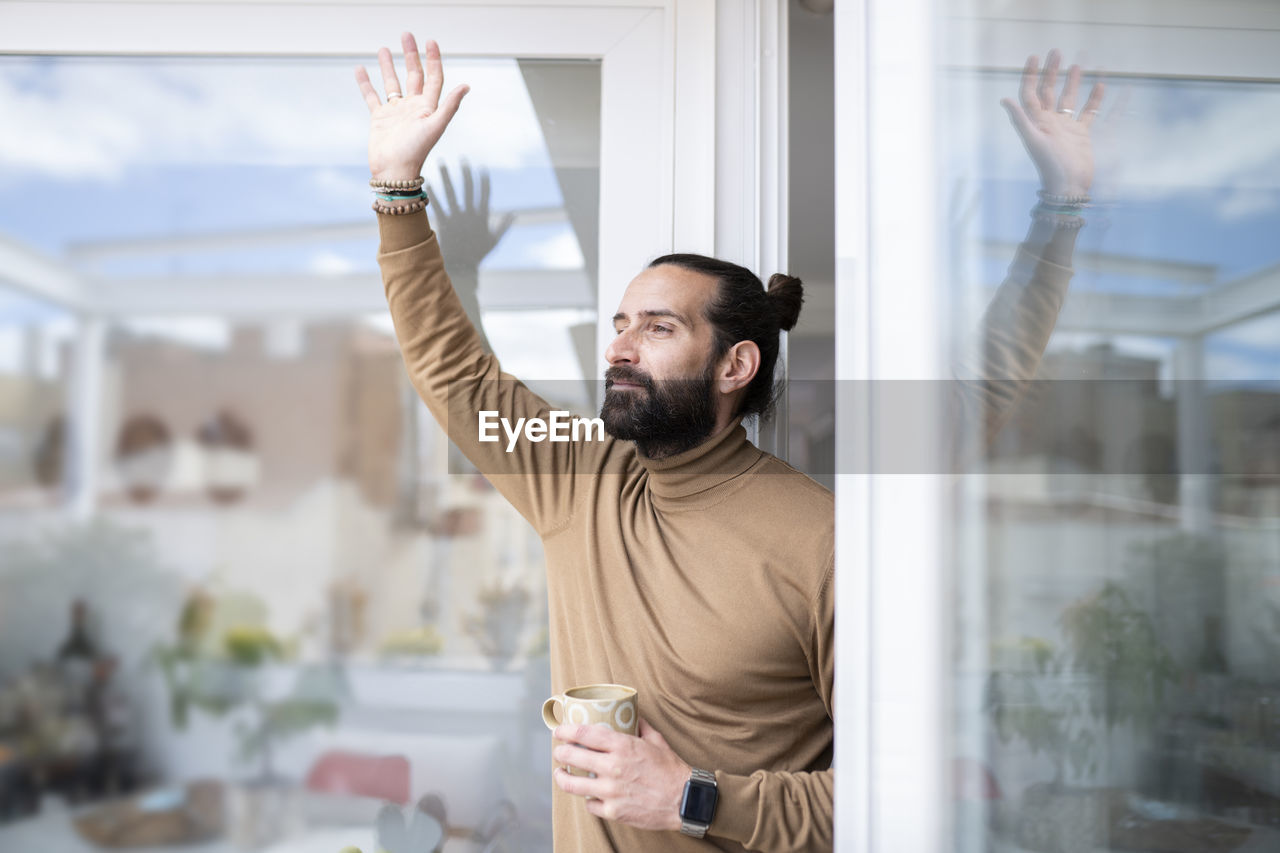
(704, 580)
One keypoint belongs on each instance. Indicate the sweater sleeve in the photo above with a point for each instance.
(788, 811)
(458, 378)
(993, 376)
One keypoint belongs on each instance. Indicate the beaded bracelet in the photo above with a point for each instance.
(415, 183)
(1054, 198)
(1060, 216)
(396, 210)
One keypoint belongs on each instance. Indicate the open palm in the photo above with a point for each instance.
(1056, 135)
(403, 130)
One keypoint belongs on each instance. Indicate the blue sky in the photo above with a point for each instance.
(105, 149)
(99, 149)
(1190, 171)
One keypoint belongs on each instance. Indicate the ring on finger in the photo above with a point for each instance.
(391, 95)
(1066, 111)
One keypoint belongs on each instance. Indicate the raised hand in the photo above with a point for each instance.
(405, 129)
(1055, 134)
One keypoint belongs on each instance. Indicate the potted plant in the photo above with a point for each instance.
(497, 628)
(219, 669)
(1112, 671)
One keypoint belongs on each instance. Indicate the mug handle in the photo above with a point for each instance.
(550, 708)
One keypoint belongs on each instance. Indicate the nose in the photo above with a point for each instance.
(621, 349)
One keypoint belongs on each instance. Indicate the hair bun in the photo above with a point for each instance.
(786, 295)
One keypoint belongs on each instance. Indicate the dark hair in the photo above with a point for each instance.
(743, 309)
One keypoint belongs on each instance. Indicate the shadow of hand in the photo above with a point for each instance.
(466, 234)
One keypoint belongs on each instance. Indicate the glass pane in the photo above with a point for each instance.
(289, 596)
(34, 341)
(1118, 613)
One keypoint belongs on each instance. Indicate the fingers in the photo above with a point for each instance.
(1069, 92)
(390, 83)
(503, 226)
(580, 786)
(599, 738)
(1027, 91)
(1091, 106)
(468, 186)
(582, 758)
(447, 183)
(412, 64)
(1048, 80)
(600, 808)
(449, 106)
(1021, 122)
(434, 74)
(648, 733)
(366, 88)
(484, 193)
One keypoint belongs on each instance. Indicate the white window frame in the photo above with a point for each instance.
(893, 534)
(663, 187)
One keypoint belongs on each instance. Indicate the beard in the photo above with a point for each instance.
(663, 417)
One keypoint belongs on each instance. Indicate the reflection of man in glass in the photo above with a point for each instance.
(688, 564)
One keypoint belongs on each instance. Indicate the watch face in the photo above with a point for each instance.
(699, 802)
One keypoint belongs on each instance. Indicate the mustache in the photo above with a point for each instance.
(629, 375)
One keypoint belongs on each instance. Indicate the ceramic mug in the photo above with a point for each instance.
(609, 705)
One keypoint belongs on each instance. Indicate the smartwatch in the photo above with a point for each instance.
(698, 805)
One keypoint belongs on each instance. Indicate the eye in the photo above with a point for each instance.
(661, 329)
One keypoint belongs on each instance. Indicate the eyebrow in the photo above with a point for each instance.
(659, 312)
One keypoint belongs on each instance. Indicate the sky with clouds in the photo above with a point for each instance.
(158, 147)
(155, 147)
(1190, 171)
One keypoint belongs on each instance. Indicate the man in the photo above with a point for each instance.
(681, 560)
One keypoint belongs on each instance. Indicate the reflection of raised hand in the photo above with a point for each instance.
(1017, 325)
(1054, 133)
(466, 236)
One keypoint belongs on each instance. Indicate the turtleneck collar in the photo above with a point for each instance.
(717, 460)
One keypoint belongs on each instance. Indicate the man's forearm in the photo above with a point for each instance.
(776, 811)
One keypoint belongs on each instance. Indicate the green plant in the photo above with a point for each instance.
(496, 629)
(215, 664)
(1113, 645)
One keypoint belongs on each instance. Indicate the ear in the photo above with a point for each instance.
(738, 367)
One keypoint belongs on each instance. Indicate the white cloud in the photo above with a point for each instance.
(558, 252)
(105, 115)
(326, 262)
(1167, 138)
(1243, 204)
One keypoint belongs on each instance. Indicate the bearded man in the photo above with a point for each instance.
(681, 559)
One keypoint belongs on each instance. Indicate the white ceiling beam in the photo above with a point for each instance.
(94, 251)
(1171, 316)
(1121, 314)
(1239, 300)
(312, 296)
(36, 275)
(1110, 263)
